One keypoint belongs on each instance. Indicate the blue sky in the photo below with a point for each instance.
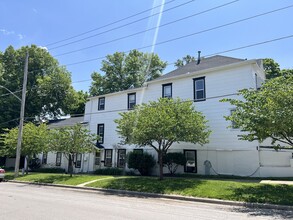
(45, 22)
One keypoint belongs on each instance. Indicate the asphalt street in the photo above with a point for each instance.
(24, 201)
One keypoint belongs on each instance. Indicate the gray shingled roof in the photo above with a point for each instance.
(205, 63)
(66, 122)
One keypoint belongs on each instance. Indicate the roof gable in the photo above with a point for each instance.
(205, 63)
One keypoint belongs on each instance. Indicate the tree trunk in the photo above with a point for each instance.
(161, 164)
(70, 165)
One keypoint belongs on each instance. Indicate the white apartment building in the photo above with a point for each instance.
(206, 83)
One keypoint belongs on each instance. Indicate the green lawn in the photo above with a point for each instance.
(218, 189)
(56, 178)
(237, 190)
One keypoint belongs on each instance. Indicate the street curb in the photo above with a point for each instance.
(165, 196)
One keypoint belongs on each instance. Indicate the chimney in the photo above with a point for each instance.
(198, 58)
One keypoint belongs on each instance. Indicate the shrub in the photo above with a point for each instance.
(49, 170)
(109, 171)
(173, 160)
(143, 162)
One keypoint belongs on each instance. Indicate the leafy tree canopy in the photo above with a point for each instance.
(49, 90)
(161, 123)
(72, 141)
(266, 113)
(272, 69)
(123, 71)
(185, 60)
(35, 140)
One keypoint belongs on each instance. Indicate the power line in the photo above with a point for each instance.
(125, 25)
(144, 31)
(209, 55)
(109, 24)
(8, 121)
(188, 35)
(251, 45)
(10, 93)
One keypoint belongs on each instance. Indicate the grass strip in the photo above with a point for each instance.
(217, 189)
(58, 178)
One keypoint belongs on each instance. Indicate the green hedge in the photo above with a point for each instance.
(49, 170)
(109, 171)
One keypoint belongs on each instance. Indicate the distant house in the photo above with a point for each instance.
(206, 83)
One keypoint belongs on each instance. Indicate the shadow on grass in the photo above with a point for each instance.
(264, 193)
(52, 179)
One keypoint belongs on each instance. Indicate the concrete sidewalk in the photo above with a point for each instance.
(277, 182)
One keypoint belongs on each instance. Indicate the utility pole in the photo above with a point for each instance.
(19, 140)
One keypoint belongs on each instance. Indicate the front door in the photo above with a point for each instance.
(191, 163)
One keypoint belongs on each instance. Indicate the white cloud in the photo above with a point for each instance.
(44, 48)
(8, 32)
(20, 36)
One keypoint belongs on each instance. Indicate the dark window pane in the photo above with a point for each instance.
(101, 104)
(108, 158)
(101, 132)
(199, 85)
(131, 100)
(167, 91)
(200, 94)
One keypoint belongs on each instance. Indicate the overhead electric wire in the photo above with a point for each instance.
(209, 55)
(251, 45)
(9, 121)
(144, 31)
(189, 35)
(109, 24)
(125, 25)
(10, 93)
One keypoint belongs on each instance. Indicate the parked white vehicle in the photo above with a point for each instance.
(2, 174)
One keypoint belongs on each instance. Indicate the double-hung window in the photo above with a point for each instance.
(101, 132)
(199, 89)
(98, 158)
(108, 157)
(101, 104)
(167, 90)
(121, 158)
(44, 158)
(58, 159)
(131, 100)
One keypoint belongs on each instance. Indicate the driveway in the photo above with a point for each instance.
(24, 201)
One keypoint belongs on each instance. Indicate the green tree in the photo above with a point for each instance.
(49, 89)
(72, 141)
(35, 140)
(161, 123)
(173, 160)
(185, 60)
(266, 113)
(272, 69)
(123, 71)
